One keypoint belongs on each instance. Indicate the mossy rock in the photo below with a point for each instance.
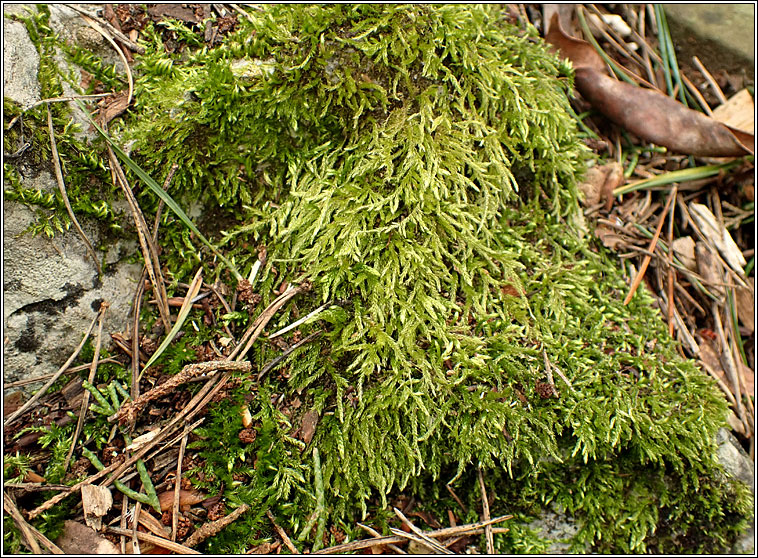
(418, 165)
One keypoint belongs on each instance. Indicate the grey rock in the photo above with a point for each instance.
(51, 290)
(738, 465)
(52, 293)
(556, 525)
(20, 60)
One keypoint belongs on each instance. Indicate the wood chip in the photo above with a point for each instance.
(96, 501)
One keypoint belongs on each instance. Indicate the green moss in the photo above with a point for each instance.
(86, 175)
(418, 165)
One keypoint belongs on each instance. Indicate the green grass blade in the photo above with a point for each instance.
(183, 313)
(160, 192)
(684, 175)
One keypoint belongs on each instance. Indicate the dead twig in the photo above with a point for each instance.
(91, 378)
(66, 371)
(31, 534)
(149, 250)
(282, 533)
(126, 41)
(64, 195)
(653, 244)
(157, 541)
(31, 540)
(486, 511)
(709, 78)
(376, 533)
(131, 409)
(178, 487)
(214, 527)
(418, 535)
(470, 529)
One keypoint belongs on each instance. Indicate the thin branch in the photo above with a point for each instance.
(653, 243)
(282, 533)
(64, 195)
(470, 529)
(214, 527)
(157, 541)
(418, 535)
(178, 487)
(486, 512)
(376, 533)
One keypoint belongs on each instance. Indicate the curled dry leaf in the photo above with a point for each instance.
(651, 115)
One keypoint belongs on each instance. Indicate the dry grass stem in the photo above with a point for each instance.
(486, 513)
(470, 529)
(376, 533)
(418, 535)
(64, 195)
(157, 541)
(107, 36)
(31, 540)
(709, 78)
(178, 487)
(149, 250)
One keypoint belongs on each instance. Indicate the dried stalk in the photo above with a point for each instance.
(486, 512)
(64, 195)
(152, 539)
(178, 487)
(418, 535)
(149, 250)
(470, 529)
(213, 528)
(282, 533)
(129, 411)
(376, 533)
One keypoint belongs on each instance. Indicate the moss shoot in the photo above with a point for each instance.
(418, 165)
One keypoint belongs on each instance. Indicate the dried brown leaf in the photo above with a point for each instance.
(651, 115)
(609, 238)
(186, 498)
(308, 427)
(745, 301)
(738, 112)
(684, 249)
(78, 539)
